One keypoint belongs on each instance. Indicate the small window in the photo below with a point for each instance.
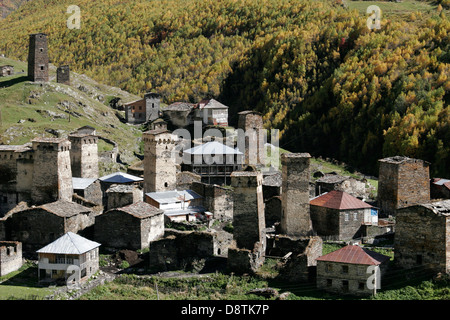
(328, 267)
(344, 269)
(41, 49)
(347, 217)
(361, 285)
(329, 282)
(345, 285)
(166, 184)
(355, 216)
(419, 259)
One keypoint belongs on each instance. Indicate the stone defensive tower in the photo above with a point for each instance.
(52, 175)
(63, 75)
(152, 106)
(402, 182)
(38, 58)
(295, 216)
(160, 169)
(84, 155)
(248, 209)
(251, 123)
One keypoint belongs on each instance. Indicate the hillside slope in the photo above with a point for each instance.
(51, 109)
(313, 68)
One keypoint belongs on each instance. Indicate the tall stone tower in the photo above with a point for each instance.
(402, 182)
(251, 123)
(38, 58)
(295, 216)
(160, 169)
(248, 209)
(84, 155)
(63, 75)
(52, 175)
(152, 105)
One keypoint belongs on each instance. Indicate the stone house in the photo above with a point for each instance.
(117, 178)
(38, 225)
(346, 271)
(179, 114)
(120, 195)
(422, 234)
(402, 182)
(143, 110)
(338, 215)
(89, 189)
(69, 250)
(10, 256)
(211, 112)
(216, 199)
(358, 188)
(6, 71)
(132, 227)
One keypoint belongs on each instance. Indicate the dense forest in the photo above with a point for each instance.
(315, 70)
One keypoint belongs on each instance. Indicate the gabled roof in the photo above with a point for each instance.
(120, 177)
(211, 104)
(339, 200)
(139, 209)
(212, 147)
(70, 243)
(63, 208)
(354, 254)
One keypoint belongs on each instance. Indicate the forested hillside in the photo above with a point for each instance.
(313, 68)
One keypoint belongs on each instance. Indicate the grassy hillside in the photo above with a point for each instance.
(50, 109)
(313, 68)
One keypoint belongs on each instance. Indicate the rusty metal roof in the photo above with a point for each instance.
(339, 200)
(354, 254)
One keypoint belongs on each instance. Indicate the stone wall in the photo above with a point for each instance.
(84, 155)
(63, 75)
(10, 257)
(118, 196)
(421, 239)
(216, 199)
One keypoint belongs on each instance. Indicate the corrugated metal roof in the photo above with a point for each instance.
(173, 196)
(82, 183)
(211, 103)
(354, 254)
(120, 177)
(339, 200)
(70, 243)
(212, 147)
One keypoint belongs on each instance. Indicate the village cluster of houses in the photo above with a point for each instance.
(54, 206)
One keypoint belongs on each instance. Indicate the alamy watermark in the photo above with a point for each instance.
(74, 21)
(374, 20)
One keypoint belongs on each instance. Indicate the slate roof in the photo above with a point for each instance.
(212, 147)
(139, 209)
(438, 207)
(354, 254)
(70, 243)
(339, 200)
(211, 104)
(63, 208)
(120, 177)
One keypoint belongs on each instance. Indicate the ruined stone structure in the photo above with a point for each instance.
(10, 256)
(63, 75)
(216, 199)
(402, 182)
(422, 234)
(52, 174)
(38, 58)
(160, 169)
(143, 110)
(252, 124)
(6, 71)
(273, 207)
(84, 154)
(295, 218)
(133, 226)
(179, 114)
(186, 179)
(189, 250)
(302, 252)
(38, 226)
(358, 188)
(89, 189)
